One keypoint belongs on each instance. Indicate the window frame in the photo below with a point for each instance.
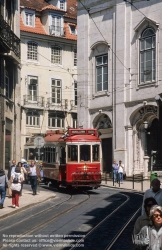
(75, 56)
(33, 97)
(143, 51)
(102, 66)
(34, 53)
(30, 119)
(60, 2)
(56, 57)
(30, 13)
(55, 118)
(59, 100)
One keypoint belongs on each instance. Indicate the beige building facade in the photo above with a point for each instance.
(49, 70)
(10, 110)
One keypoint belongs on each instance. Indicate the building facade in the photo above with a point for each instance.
(119, 76)
(10, 111)
(49, 69)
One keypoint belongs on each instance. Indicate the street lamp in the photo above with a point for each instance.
(145, 123)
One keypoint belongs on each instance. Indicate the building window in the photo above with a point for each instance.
(62, 4)
(56, 27)
(147, 56)
(75, 93)
(56, 91)
(32, 53)
(75, 56)
(32, 118)
(56, 55)
(29, 18)
(56, 120)
(74, 120)
(73, 29)
(102, 73)
(32, 88)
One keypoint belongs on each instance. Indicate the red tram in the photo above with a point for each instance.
(73, 158)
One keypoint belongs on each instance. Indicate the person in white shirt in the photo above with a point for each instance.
(120, 171)
(155, 191)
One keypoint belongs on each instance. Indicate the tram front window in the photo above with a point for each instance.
(85, 153)
(73, 153)
(95, 153)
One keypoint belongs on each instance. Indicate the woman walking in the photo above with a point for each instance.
(150, 237)
(3, 181)
(16, 179)
(23, 171)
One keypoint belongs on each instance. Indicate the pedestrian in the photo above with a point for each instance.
(155, 191)
(150, 237)
(11, 170)
(144, 220)
(34, 174)
(120, 171)
(3, 183)
(16, 179)
(115, 171)
(23, 171)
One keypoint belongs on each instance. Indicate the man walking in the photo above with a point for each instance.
(11, 170)
(115, 170)
(155, 191)
(34, 174)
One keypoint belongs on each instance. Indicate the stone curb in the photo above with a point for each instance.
(134, 190)
(15, 211)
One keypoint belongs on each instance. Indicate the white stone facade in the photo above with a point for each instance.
(118, 30)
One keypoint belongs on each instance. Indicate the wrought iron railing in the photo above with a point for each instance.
(33, 100)
(8, 37)
(73, 104)
(56, 30)
(52, 102)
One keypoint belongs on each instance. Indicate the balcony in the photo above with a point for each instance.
(7, 36)
(56, 30)
(51, 103)
(33, 101)
(73, 104)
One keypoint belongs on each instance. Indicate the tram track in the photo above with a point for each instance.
(98, 228)
(46, 221)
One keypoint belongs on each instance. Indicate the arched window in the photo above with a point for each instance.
(56, 54)
(32, 52)
(32, 118)
(147, 56)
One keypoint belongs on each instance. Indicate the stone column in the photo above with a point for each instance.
(146, 160)
(129, 153)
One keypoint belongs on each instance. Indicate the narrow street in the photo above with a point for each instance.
(74, 219)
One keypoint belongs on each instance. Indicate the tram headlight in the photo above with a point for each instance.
(85, 167)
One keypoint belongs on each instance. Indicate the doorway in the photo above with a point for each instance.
(107, 155)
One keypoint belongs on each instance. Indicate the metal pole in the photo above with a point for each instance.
(145, 142)
(142, 182)
(113, 178)
(133, 181)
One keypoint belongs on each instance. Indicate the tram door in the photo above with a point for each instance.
(107, 154)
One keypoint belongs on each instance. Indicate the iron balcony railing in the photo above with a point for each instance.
(33, 100)
(54, 103)
(73, 104)
(56, 30)
(8, 37)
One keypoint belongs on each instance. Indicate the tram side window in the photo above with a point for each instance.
(85, 153)
(95, 153)
(50, 155)
(63, 155)
(73, 153)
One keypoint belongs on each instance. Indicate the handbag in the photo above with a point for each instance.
(6, 184)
